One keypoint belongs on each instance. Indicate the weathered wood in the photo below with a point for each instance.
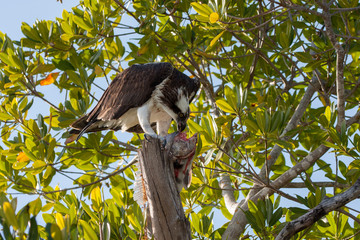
(166, 213)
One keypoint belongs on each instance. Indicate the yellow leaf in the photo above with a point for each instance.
(204, 54)
(96, 199)
(225, 131)
(216, 38)
(60, 220)
(98, 70)
(22, 157)
(143, 50)
(10, 215)
(214, 17)
(55, 232)
(49, 79)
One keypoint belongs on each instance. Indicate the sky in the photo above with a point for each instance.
(14, 12)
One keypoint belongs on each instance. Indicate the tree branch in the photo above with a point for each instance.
(167, 216)
(239, 221)
(228, 193)
(299, 111)
(340, 56)
(327, 205)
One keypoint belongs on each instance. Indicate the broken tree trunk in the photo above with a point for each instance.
(166, 214)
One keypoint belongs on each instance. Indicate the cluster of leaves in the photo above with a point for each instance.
(256, 62)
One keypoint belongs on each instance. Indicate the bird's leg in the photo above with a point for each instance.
(143, 114)
(162, 128)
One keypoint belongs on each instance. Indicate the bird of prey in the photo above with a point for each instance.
(139, 98)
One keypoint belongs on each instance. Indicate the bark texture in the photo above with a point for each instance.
(166, 213)
(326, 206)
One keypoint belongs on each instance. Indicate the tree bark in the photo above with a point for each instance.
(327, 205)
(166, 213)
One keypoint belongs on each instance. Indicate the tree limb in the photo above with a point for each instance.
(239, 221)
(340, 56)
(167, 216)
(327, 205)
(228, 193)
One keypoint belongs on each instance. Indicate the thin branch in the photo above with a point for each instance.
(239, 19)
(299, 111)
(132, 162)
(127, 10)
(318, 184)
(127, 146)
(340, 56)
(301, 8)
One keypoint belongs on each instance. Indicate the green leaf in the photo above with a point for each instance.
(35, 206)
(43, 68)
(81, 23)
(38, 166)
(304, 57)
(194, 127)
(63, 65)
(5, 116)
(30, 33)
(275, 217)
(23, 218)
(33, 231)
(59, 207)
(9, 213)
(56, 232)
(202, 9)
(260, 120)
(88, 211)
(224, 106)
(5, 58)
(89, 44)
(89, 233)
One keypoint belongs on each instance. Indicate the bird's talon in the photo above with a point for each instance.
(149, 136)
(163, 142)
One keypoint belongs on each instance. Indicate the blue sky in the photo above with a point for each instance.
(14, 12)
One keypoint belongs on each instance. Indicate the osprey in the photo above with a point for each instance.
(139, 98)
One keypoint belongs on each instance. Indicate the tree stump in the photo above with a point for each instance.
(164, 207)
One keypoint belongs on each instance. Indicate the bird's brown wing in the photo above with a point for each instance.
(130, 89)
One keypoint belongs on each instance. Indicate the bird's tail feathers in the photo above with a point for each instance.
(82, 131)
(79, 127)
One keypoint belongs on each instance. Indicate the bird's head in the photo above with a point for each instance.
(181, 120)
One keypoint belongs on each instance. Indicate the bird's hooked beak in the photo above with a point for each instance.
(181, 125)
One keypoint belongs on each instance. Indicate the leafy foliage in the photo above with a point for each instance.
(260, 64)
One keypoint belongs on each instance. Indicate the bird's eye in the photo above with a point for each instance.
(181, 115)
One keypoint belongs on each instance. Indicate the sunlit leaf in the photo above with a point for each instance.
(95, 196)
(225, 106)
(89, 233)
(22, 157)
(214, 17)
(201, 9)
(35, 206)
(9, 213)
(49, 79)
